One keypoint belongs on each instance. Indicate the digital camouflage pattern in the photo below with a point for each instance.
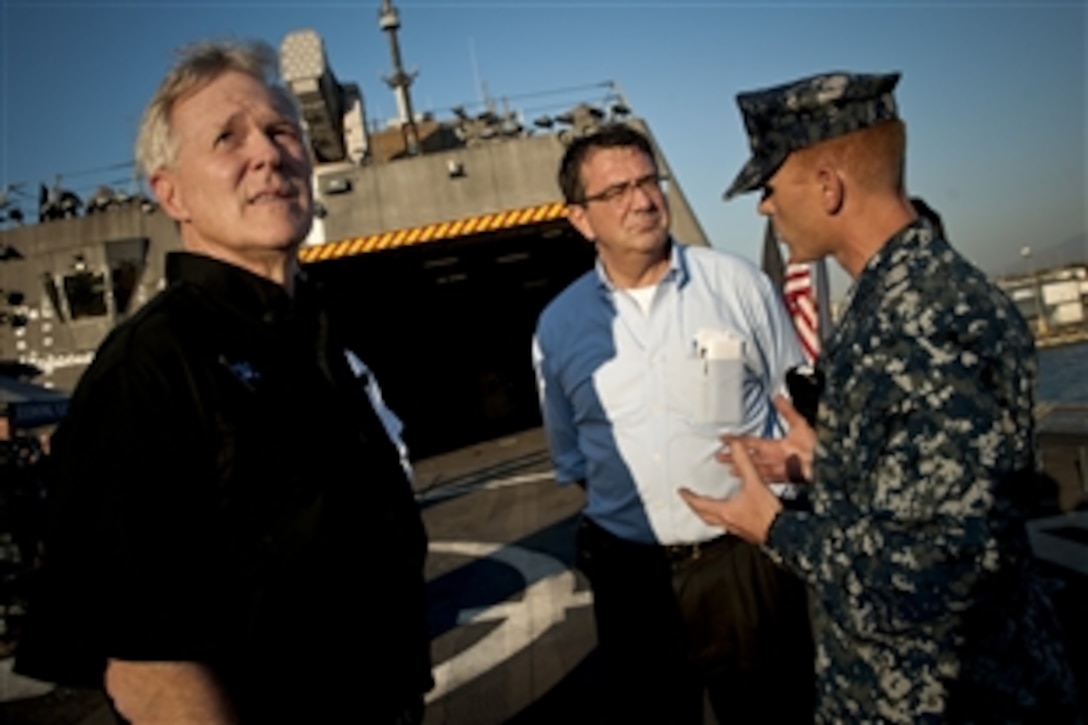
(795, 115)
(924, 603)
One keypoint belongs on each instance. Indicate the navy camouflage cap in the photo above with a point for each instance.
(795, 115)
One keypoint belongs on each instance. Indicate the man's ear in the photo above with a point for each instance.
(576, 215)
(165, 187)
(832, 189)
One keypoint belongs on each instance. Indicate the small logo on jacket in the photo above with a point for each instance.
(243, 371)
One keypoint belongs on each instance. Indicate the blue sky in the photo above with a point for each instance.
(994, 93)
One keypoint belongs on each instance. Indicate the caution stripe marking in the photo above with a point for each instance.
(434, 232)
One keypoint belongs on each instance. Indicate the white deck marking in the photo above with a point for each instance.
(491, 484)
(547, 596)
(1061, 551)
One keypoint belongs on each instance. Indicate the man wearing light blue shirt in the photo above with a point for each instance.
(642, 364)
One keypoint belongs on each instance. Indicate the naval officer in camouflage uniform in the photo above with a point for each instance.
(924, 603)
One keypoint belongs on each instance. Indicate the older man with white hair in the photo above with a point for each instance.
(213, 556)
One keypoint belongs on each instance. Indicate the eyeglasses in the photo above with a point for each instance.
(649, 184)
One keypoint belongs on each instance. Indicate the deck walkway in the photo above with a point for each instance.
(513, 636)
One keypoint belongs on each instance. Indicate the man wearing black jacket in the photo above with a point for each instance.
(233, 533)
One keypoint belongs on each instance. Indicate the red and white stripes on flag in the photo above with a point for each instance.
(805, 291)
(800, 295)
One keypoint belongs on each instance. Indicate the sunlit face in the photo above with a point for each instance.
(239, 186)
(625, 209)
(791, 199)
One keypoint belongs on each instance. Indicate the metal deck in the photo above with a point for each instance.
(512, 627)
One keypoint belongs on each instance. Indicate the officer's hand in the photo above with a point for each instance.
(779, 459)
(749, 512)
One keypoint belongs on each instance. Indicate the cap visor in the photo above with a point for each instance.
(750, 178)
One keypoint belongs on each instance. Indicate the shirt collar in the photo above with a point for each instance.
(678, 269)
(874, 276)
(250, 294)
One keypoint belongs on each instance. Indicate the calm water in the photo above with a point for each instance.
(1063, 374)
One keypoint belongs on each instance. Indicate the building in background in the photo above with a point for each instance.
(1053, 301)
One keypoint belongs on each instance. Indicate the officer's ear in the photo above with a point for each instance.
(832, 189)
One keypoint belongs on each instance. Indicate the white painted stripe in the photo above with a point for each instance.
(547, 597)
(1060, 550)
(487, 484)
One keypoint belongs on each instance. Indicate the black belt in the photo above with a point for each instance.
(673, 553)
(681, 553)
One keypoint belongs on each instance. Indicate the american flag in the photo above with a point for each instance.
(804, 290)
(800, 295)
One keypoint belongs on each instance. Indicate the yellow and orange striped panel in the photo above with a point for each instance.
(434, 232)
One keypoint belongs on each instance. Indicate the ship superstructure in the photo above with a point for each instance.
(440, 238)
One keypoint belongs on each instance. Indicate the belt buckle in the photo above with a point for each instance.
(680, 553)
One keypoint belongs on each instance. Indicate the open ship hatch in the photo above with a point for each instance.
(447, 325)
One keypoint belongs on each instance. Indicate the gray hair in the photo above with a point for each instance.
(197, 66)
